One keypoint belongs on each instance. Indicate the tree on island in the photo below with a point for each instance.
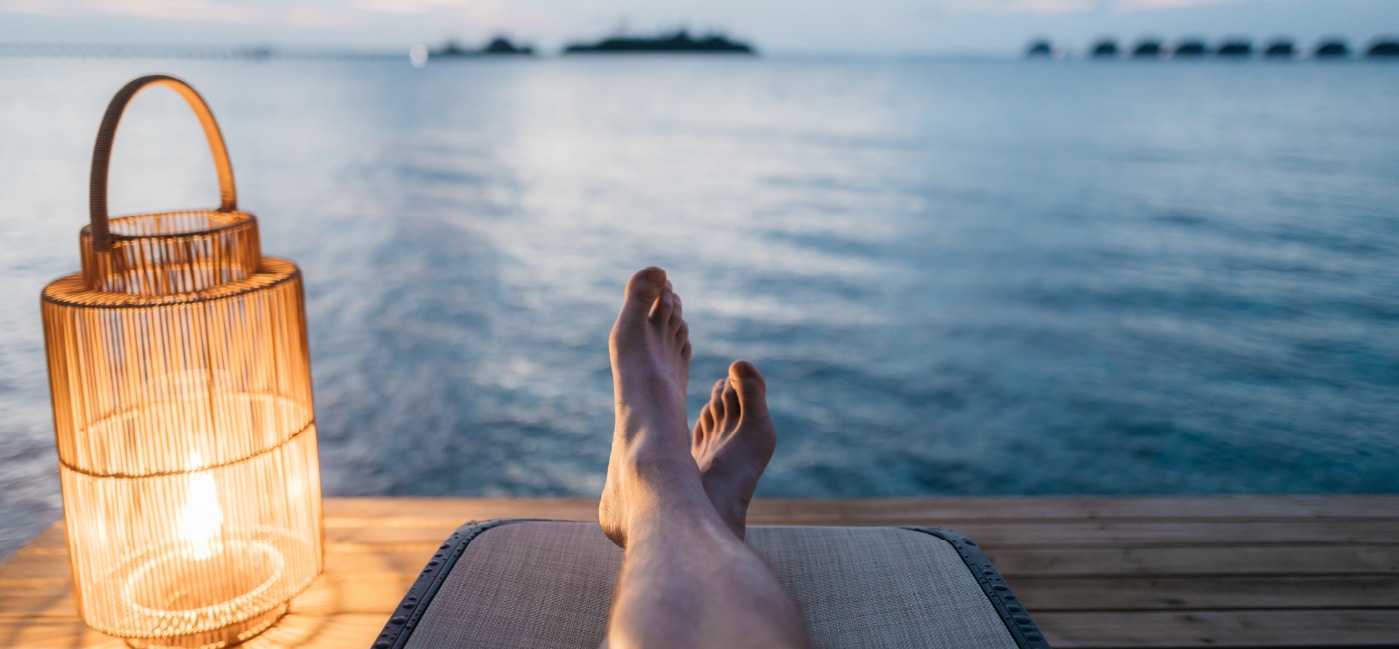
(502, 45)
(678, 41)
(497, 45)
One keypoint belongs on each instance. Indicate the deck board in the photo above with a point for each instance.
(1179, 629)
(1241, 571)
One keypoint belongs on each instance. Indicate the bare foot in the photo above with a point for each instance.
(650, 349)
(733, 441)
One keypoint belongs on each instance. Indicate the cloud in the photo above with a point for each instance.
(492, 15)
(1149, 5)
(330, 15)
(406, 6)
(32, 7)
(1011, 7)
(1046, 6)
(1049, 7)
(322, 18)
(182, 10)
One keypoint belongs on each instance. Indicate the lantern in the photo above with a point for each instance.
(181, 386)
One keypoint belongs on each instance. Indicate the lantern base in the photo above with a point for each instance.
(226, 637)
(206, 595)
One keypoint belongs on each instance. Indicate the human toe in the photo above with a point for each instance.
(732, 405)
(643, 290)
(665, 306)
(749, 386)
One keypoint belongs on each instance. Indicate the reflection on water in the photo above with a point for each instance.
(960, 278)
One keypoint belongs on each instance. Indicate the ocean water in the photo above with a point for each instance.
(960, 277)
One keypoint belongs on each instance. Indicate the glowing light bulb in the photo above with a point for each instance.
(202, 519)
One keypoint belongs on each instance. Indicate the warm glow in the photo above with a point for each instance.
(202, 519)
(182, 405)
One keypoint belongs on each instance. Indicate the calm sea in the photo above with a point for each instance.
(960, 277)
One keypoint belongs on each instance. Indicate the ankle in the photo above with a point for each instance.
(660, 474)
(673, 519)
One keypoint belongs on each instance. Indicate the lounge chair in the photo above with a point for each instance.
(531, 584)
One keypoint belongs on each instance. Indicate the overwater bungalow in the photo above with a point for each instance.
(1236, 48)
(1149, 48)
(1191, 48)
(1383, 48)
(1332, 48)
(1105, 48)
(1280, 48)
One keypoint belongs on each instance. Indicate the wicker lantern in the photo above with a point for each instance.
(181, 387)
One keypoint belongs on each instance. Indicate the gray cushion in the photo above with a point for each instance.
(548, 584)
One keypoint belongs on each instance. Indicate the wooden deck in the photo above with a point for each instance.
(1093, 572)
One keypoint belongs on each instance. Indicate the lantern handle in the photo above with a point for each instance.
(106, 134)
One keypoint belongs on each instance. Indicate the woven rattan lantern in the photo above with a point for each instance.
(182, 409)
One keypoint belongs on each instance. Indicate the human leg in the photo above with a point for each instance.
(687, 578)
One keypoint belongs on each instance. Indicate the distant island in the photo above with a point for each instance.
(499, 45)
(677, 42)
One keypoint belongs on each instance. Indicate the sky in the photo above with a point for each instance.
(775, 26)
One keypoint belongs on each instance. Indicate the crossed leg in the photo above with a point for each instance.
(676, 507)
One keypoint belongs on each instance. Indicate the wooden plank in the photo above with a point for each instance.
(53, 633)
(919, 511)
(1184, 533)
(391, 560)
(933, 510)
(1042, 594)
(446, 514)
(321, 632)
(1224, 560)
(1333, 628)
(363, 585)
(380, 593)
(451, 512)
(293, 630)
(36, 599)
(27, 566)
(331, 595)
(328, 595)
(1220, 629)
(354, 532)
(1043, 533)
(52, 539)
(338, 538)
(379, 535)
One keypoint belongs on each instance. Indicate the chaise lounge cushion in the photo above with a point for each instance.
(548, 584)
